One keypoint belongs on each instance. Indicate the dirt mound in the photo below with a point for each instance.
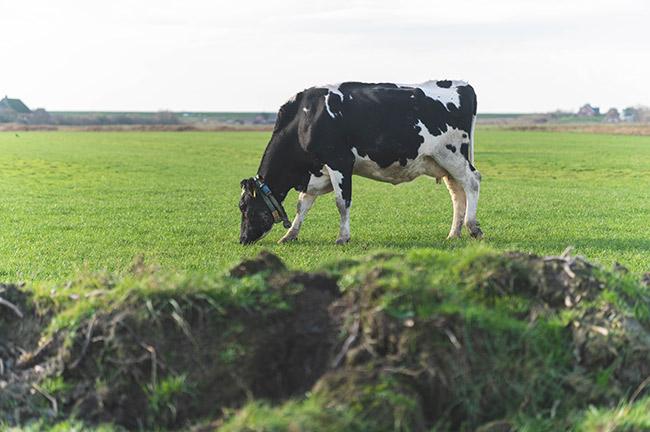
(265, 261)
(452, 341)
(498, 334)
(168, 357)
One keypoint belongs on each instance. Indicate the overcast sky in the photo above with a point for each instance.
(520, 55)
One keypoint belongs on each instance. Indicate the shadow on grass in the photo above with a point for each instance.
(640, 245)
(366, 243)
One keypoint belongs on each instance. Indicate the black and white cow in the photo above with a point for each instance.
(387, 132)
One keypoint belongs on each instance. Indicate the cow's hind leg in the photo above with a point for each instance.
(474, 185)
(305, 201)
(470, 180)
(342, 183)
(459, 203)
(468, 177)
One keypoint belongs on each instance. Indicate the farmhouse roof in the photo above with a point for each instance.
(15, 105)
(588, 110)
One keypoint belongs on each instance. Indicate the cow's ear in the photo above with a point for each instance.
(248, 185)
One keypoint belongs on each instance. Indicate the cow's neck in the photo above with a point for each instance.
(279, 168)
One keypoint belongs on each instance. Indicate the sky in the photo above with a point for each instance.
(214, 55)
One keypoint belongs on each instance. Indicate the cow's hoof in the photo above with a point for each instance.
(476, 233)
(453, 236)
(342, 241)
(288, 237)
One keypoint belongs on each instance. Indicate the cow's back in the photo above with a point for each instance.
(380, 120)
(375, 120)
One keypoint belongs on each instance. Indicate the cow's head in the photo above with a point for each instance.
(256, 217)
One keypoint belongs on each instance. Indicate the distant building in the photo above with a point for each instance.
(612, 116)
(630, 114)
(40, 116)
(13, 106)
(264, 118)
(588, 111)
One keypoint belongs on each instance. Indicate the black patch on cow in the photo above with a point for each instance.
(451, 148)
(464, 150)
(464, 135)
(443, 83)
(467, 100)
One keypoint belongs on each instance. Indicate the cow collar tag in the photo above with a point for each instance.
(279, 215)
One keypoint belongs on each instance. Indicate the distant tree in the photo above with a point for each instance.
(644, 114)
(638, 113)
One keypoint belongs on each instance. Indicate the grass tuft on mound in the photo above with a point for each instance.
(428, 340)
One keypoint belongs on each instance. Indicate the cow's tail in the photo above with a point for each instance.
(471, 132)
(471, 139)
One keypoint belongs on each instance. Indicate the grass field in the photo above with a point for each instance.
(73, 200)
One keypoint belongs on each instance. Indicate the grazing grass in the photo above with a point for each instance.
(93, 201)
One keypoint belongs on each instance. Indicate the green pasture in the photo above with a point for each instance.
(90, 200)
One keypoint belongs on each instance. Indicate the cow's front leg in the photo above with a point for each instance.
(342, 184)
(344, 211)
(305, 201)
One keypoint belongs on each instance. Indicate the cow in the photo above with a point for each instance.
(387, 132)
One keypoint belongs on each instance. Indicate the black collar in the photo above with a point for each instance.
(279, 215)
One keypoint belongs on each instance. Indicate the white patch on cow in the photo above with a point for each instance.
(327, 106)
(396, 173)
(319, 185)
(444, 95)
(334, 88)
(336, 179)
(350, 96)
(305, 109)
(434, 145)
